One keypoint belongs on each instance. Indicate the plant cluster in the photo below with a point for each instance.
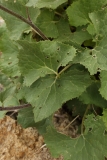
(53, 53)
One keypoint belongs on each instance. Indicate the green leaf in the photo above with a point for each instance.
(98, 19)
(2, 113)
(66, 35)
(11, 101)
(89, 125)
(22, 1)
(96, 59)
(46, 3)
(42, 125)
(45, 22)
(92, 96)
(48, 94)
(77, 15)
(2, 27)
(104, 117)
(43, 58)
(5, 82)
(80, 35)
(26, 118)
(103, 89)
(8, 97)
(8, 89)
(8, 59)
(91, 29)
(17, 26)
(86, 146)
(76, 107)
(78, 12)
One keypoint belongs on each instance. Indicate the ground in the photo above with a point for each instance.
(17, 143)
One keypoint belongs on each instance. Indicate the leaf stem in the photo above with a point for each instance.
(15, 107)
(59, 14)
(65, 68)
(82, 124)
(52, 71)
(38, 31)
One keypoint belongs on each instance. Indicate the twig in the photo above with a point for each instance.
(15, 111)
(15, 107)
(44, 145)
(71, 122)
(39, 32)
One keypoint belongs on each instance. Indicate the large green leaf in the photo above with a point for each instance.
(78, 12)
(90, 146)
(92, 96)
(43, 58)
(8, 97)
(48, 94)
(8, 89)
(103, 89)
(2, 113)
(26, 118)
(45, 3)
(45, 22)
(104, 117)
(96, 59)
(79, 36)
(42, 125)
(63, 26)
(9, 60)
(11, 100)
(98, 20)
(17, 26)
(5, 82)
(76, 107)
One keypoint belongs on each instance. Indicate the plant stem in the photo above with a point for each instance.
(38, 31)
(15, 107)
(82, 124)
(65, 68)
(71, 122)
(59, 14)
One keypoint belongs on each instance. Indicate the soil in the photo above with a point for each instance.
(17, 143)
(65, 123)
